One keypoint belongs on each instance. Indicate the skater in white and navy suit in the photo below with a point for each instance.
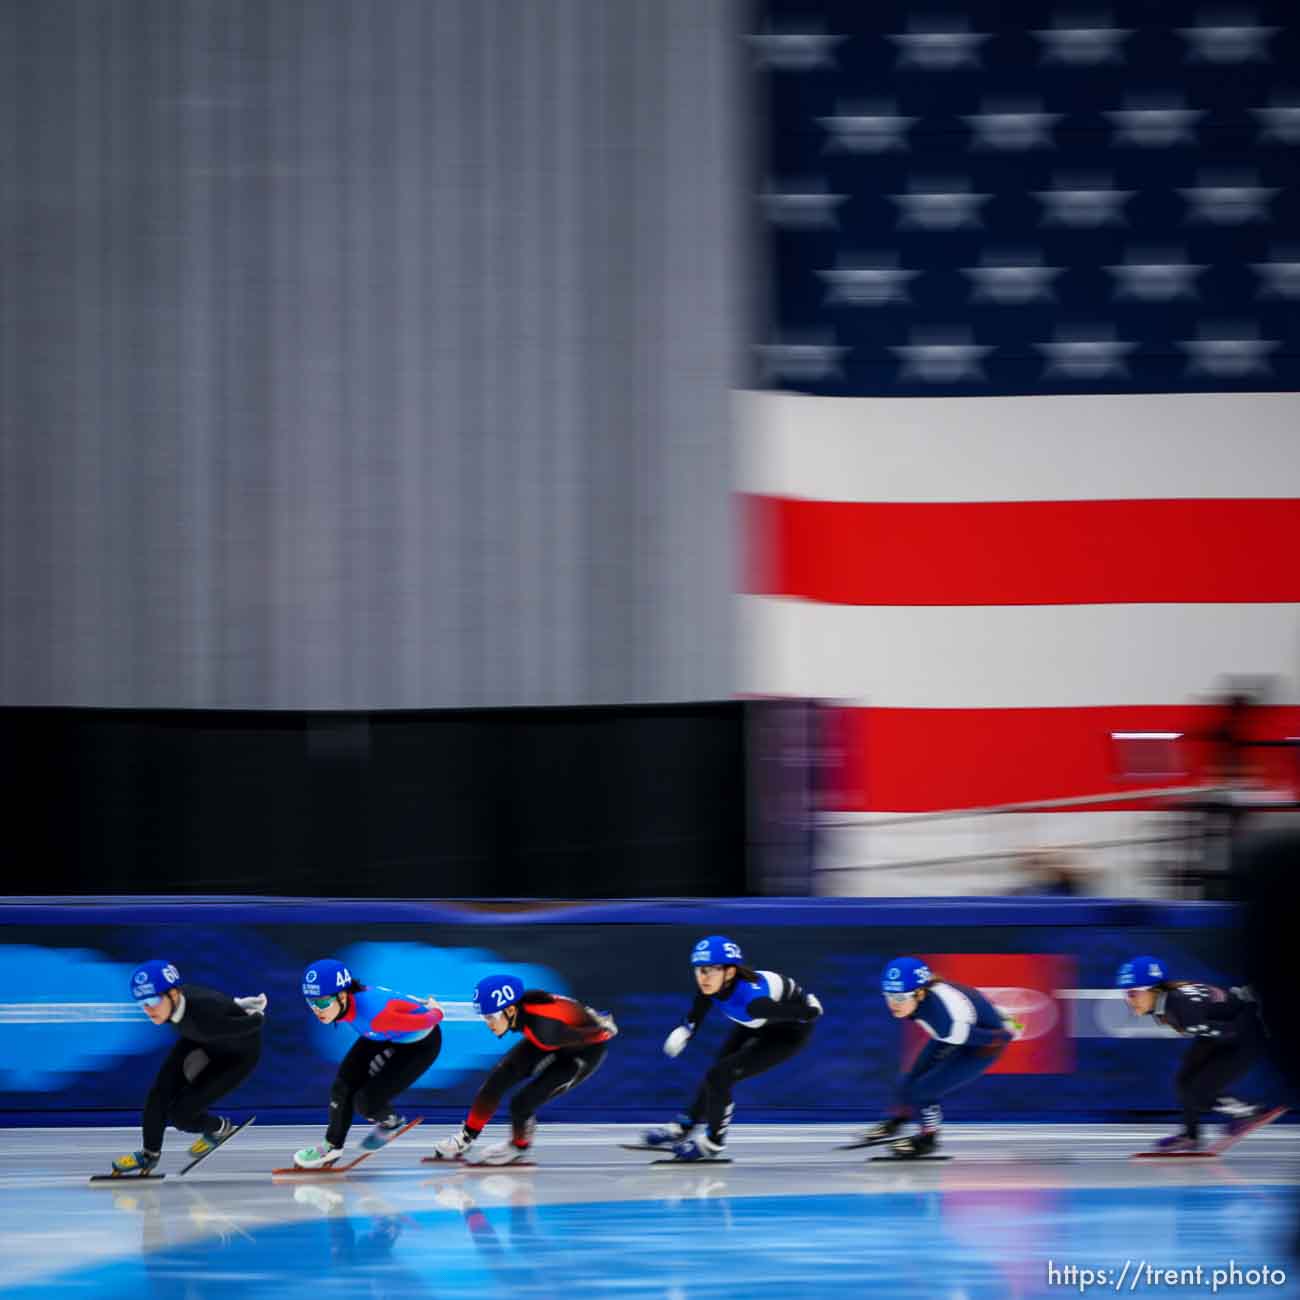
(1229, 1040)
(219, 1042)
(774, 1019)
(968, 1035)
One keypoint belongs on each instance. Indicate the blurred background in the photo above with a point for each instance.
(655, 448)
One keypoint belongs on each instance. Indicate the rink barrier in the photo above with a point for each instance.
(73, 1049)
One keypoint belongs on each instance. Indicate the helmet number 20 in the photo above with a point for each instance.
(503, 995)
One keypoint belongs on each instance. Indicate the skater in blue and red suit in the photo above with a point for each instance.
(1229, 1040)
(968, 1035)
(563, 1043)
(398, 1039)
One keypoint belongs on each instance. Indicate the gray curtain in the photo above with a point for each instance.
(367, 355)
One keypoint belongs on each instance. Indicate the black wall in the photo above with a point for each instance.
(558, 803)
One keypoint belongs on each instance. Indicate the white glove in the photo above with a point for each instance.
(1014, 1027)
(255, 1006)
(605, 1021)
(431, 1004)
(453, 1148)
(676, 1042)
(811, 1000)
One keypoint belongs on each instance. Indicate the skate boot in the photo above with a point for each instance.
(320, 1157)
(453, 1148)
(383, 1132)
(139, 1164)
(885, 1131)
(698, 1148)
(210, 1141)
(506, 1153)
(1176, 1144)
(670, 1135)
(916, 1146)
(1250, 1117)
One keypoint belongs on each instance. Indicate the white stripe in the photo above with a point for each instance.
(1043, 448)
(1011, 656)
(960, 1007)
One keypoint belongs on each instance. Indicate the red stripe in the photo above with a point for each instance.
(922, 760)
(1022, 552)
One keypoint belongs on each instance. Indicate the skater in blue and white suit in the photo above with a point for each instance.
(968, 1034)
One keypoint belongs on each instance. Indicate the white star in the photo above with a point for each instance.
(867, 286)
(939, 51)
(1277, 279)
(1012, 130)
(1228, 358)
(1227, 43)
(1085, 358)
(1083, 46)
(947, 358)
(939, 209)
(811, 360)
(801, 205)
(867, 132)
(1281, 123)
(1012, 283)
(1154, 128)
(1227, 205)
(1155, 281)
(1083, 207)
(794, 51)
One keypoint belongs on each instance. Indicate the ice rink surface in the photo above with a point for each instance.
(789, 1217)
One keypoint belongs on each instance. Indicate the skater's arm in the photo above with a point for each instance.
(401, 1016)
(784, 1000)
(952, 1017)
(212, 1017)
(552, 1023)
(515, 1066)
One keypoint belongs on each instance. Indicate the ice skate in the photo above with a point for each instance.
(665, 1137)
(876, 1135)
(698, 1148)
(451, 1148)
(138, 1164)
(318, 1157)
(506, 1153)
(383, 1133)
(208, 1142)
(916, 1146)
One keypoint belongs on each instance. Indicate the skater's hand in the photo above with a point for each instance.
(1014, 1027)
(812, 1001)
(431, 1004)
(676, 1042)
(605, 1021)
(253, 1006)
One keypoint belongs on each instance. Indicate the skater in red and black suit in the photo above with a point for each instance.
(564, 1043)
(1229, 1040)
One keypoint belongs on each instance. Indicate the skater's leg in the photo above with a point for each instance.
(353, 1075)
(762, 1049)
(392, 1072)
(943, 1072)
(1197, 1082)
(565, 1070)
(169, 1081)
(213, 1079)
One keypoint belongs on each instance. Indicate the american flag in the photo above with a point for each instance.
(1021, 462)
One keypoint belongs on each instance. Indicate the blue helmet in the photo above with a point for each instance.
(904, 975)
(324, 978)
(1140, 973)
(153, 979)
(495, 993)
(716, 950)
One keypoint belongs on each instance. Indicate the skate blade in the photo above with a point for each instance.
(903, 1160)
(474, 1167)
(1206, 1154)
(198, 1159)
(127, 1178)
(640, 1146)
(335, 1170)
(858, 1146)
(442, 1160)
(694, 1164)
